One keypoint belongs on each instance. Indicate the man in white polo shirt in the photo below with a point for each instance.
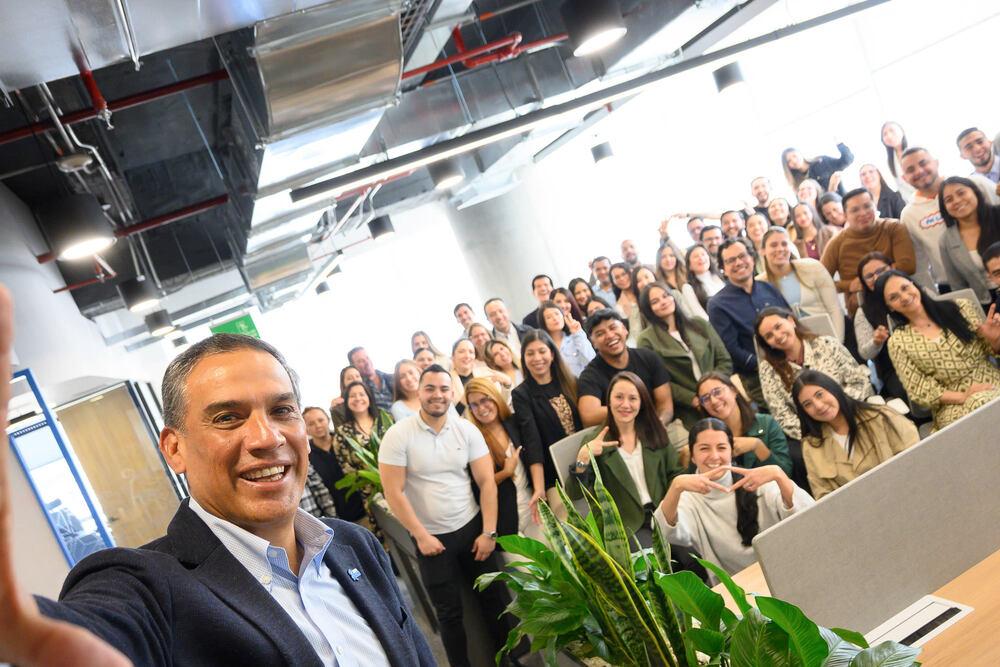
(425, 461)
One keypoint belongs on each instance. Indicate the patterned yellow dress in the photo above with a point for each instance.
(928, 368)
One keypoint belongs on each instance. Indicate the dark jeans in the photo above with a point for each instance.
(444, 576)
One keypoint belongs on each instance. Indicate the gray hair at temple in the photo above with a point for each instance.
(176, 375)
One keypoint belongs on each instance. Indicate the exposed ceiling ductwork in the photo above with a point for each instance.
(256, 141)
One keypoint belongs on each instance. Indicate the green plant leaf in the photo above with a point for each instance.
(738, 594)
(851, 636)
(693, 597)
(661, 549)
(757, 642)
(572, 515)
(886, 654)
(803, 634)
(841, 651)
(527, 547)
(595, 515)
(615, 540)
(708, 642)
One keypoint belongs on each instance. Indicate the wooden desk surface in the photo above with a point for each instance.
(970, 642)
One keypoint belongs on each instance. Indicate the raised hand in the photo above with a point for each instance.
(881, 334)
(596, 446)
(573, 325)
(27, 638)
(990, 328)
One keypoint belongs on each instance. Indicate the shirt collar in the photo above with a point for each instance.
(256, 554)
(423, 425)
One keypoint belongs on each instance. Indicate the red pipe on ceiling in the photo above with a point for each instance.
(497, 51)
(128, 102)
(157, 221)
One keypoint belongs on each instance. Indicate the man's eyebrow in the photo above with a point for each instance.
(220, 406)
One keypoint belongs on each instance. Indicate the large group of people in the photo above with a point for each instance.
(747, 372)
(781, 351)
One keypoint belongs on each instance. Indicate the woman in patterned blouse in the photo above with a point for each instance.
(787, 347)
(941, 349)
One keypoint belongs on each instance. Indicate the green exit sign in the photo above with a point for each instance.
(241, 325)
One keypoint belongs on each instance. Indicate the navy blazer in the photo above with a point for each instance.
(185, 600)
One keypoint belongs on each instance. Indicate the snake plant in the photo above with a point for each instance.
(585, 592)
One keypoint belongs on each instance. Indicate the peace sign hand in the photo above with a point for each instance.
(990, 328)
(573, 325)
(26, 637)
(754, 478)
(596, 446)
(700, 482)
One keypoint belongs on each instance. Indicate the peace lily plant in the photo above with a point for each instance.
(590, 596)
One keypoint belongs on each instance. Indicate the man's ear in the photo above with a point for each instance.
(170, 449)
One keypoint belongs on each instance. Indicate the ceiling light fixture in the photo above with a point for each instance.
(592, 25)
(322, 288)
(174, 334)
(728, 75)
(139, 294)
(446, 174)
(181, 342)
(601, 151)
(381, 227)
(159, 324)
(76, 226)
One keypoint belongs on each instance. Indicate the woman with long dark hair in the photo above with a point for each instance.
(938, 348)
(348, 375)
(895, 142)
(787, 347)
(567, 333)
(626, 302)
(565, 300)
(545, 405)
(704, 280)
(687, 347)
(581, 292)
(758, 439)
(364, 424)
(633, 453)
(844, 437)
(888, 202)
(971, 226)
(871, 325)
(820, 168)
(721, 507)
(517, 472)
(757, 224)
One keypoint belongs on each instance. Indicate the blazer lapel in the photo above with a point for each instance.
(651, 470)
(193, 542)
(341, 560)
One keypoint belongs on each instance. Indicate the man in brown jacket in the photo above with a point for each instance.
(863, 235)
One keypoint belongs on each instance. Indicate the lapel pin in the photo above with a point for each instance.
(354, 573)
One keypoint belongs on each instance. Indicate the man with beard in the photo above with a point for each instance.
(733, 310)
(425, 462)
(629, 254)
(979, 151)
(607, 333)
(922, 216)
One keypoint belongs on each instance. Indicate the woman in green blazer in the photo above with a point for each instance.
(633, 453)
(689, 348)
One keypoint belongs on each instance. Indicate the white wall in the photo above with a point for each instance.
(57, 344)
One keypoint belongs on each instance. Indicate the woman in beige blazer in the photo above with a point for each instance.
(805, 283)
(843, 437)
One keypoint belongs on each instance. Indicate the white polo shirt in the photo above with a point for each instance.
(438, 483)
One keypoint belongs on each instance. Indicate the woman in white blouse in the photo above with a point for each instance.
(720, 508)
(703, 282)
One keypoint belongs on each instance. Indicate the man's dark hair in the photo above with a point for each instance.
(733, 210)
(729, 243)
(491, 300)
(599, 258)
(454, 310)
(964, 133)
(992, 252)
(851, 194)
(913, 149)
(352, 352)
(177, 373)
(309, 409)
(707, 228)
(602, 315)
(434, 368)
(539, 277)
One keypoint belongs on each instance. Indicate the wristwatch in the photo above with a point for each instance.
(492, 534)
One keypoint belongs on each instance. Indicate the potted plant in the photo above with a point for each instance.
(589, 596)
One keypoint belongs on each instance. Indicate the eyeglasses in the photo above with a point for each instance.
(872, 275)
(479, 405)
(729, 261)
(709, 395)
